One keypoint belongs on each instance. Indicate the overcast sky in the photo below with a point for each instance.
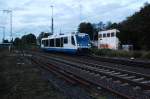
(34, 15)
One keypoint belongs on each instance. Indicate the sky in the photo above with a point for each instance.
(34, 16)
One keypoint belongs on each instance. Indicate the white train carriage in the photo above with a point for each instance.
(70, 43)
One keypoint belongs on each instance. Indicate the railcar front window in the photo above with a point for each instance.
(83, 40)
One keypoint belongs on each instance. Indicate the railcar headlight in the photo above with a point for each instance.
(89, 44)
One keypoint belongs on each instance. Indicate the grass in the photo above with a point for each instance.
(121, 53)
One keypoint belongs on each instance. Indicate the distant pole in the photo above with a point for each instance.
(3, 33)
(11, 15)
(80, 13)
(52, 23)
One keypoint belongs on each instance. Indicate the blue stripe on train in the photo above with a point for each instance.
(71, 51)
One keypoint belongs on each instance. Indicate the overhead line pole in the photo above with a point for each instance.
(3, 32)
(52, 23)
(11, 15)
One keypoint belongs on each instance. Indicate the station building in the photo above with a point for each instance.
(108, 39)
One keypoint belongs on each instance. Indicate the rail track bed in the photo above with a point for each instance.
(91, 59)
(123, 83)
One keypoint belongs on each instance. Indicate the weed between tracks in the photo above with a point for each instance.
(19, 79)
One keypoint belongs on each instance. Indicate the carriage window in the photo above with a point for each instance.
(52, 43)
(49, 42)
(65, 40)
(61, 41)
(58, 42)
(46, 43)
(72, 40)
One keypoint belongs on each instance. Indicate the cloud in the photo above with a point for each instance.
(35, 15)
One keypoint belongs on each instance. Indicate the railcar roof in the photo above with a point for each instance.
(65, 35)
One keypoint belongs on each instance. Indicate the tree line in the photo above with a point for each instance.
(25, 40)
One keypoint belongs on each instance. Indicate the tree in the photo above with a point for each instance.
(17, 43)
(111, 25)
(136, 29)
(5, 41)
(100, 26)
(29, 39)
(42, 35)
(86, 28)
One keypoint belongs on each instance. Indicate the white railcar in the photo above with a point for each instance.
(69, 43)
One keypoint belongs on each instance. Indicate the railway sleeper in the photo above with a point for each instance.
(110, 68)
(138, 79)
(130, 77)
(91, 69)
(145, 82)
(105, 82)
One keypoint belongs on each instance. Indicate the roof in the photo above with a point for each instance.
(108, 31)
(65, 35)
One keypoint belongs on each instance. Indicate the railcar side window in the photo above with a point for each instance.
(49, 42)
(52, 43)
(72, 40)
(46, 43)
(65, 40)
(61, 41)
(58, 42)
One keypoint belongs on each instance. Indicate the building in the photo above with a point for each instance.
(108, 39)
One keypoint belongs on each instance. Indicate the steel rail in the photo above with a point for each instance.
(79, 78)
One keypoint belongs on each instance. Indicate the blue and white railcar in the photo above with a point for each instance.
(69, 43)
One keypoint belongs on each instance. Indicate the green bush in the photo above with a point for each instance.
(137, 54)
(120, 53)
(111, 53)
(147, 55)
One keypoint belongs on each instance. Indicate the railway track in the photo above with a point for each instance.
(89, 59)
(126, 84)
(134, 63)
